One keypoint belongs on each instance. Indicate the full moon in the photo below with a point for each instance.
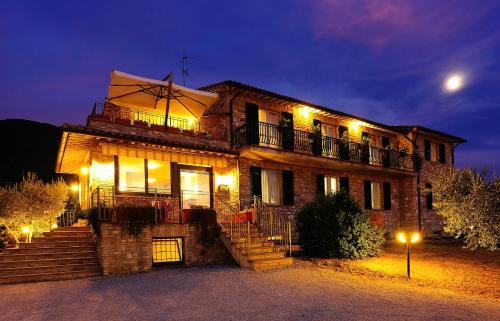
(454, 83)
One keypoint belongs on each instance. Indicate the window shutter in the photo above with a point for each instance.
(320, 183)
(387, 195)
(385, 141)
(288, 191)
(442, 154)
(428, 196)
(368, 194)
(344, 184)
(256, 182)
(252, 123)
(287, 132)
(175, 179)
(317, 141)
(427, 149)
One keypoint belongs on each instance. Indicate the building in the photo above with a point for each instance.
(253, 155)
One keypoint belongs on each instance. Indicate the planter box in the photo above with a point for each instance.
(122, 121)
(173, 130)
(141, 124)
(158, 127)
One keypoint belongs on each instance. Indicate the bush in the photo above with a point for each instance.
(335, 226)
(3, 236)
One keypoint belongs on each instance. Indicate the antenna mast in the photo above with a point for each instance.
(185, 72)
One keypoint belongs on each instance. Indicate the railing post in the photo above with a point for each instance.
(290, 237)
(248, 235)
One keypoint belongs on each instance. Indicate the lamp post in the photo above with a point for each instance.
(404, 237)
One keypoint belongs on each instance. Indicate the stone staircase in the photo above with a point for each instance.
(65, 253)
(258, 253)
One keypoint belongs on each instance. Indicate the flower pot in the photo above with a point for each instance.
(122, 121)
(158, 127)
(141, 124)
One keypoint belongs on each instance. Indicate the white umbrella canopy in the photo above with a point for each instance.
(150, 95)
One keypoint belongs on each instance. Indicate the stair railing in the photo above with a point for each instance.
(272, 221)
(233, 222)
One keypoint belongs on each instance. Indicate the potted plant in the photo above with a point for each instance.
(158, 127)
(122, 121)
(403, 152)
(283, 124)
(141, 124)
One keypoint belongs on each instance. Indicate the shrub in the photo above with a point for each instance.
(335, 226)
(135, 217)
(3, 236)
(207, 220)
(470, 205)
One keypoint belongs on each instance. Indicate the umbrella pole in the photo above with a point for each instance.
(169, 88)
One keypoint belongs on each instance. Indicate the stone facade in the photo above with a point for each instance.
(120, 252)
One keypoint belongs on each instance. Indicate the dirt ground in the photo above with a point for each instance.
(301, 292)
(442, 264)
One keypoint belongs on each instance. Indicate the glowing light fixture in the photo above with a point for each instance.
(305, 111)
(454, 83)
(25, 229)
(355, 126)
(408, 239)
(75, 187)
(153, 165)
(84, 170)
(54, 226)
(227, 179)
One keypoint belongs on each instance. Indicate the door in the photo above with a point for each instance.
(195, 187)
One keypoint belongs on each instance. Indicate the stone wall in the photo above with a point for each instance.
(120, 252)
(403, 192)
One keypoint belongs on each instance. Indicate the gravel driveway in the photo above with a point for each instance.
(231, 293)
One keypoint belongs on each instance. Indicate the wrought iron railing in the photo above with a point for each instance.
(271, 135)
(66, 219)
(167, 207)
(233, 222)
(128, 116)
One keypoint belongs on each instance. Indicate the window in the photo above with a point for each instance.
(442, 153)
(195, 188)
(167, 250)
(328, 130)
(427, 150)
(330, 184)
(131, 175)
(158, 177)
(344, 184)
(428, 196)
(434, 152)
(373, 195)
(270, 182)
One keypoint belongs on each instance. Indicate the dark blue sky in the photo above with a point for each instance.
(384, 60)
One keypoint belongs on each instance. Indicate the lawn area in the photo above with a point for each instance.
(440, 264)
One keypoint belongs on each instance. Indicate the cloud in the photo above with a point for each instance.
(380, 23)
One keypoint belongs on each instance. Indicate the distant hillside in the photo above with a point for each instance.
(28, 146)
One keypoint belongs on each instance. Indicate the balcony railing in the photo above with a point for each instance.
(274, 136)
(127, 116)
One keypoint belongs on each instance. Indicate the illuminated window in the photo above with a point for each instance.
(195, 188)
(271, 186)
(158, 177)
(131, 175)
(102, 174)
(376, 195)
(330, 185)
(167, 250)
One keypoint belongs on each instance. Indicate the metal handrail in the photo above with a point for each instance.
(233, 223)
(114, 112)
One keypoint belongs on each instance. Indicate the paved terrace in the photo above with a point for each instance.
(230, 293)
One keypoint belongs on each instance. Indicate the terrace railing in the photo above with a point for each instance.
(127, 116)
(271, 135)
(167, 207)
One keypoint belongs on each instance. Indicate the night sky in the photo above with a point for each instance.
(384, 60)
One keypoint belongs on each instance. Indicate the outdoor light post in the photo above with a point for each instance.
(405, 238)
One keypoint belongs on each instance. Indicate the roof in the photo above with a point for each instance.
(409, 128)
(323, 108)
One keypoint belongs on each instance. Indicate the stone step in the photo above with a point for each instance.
(48, 269)
(58, 238)
(73, 228)
(243, 244)
(39, 277)
(265, 255)
(13, 256)
(266, 264)
(39, 260)
(56, 244)
(48, 248)
(262, 249)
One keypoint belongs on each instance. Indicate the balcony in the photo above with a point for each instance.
(112, 113)
(273, 137)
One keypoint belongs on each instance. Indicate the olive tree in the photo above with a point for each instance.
(32, 202)
(470, 205)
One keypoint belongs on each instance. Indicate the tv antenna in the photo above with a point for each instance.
(185, 71)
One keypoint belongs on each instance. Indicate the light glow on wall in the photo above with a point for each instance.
(355, 126)
(227, 179)
(84, 170)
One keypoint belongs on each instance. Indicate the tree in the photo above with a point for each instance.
(335, 226)
(32, 202)
(470, 206)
